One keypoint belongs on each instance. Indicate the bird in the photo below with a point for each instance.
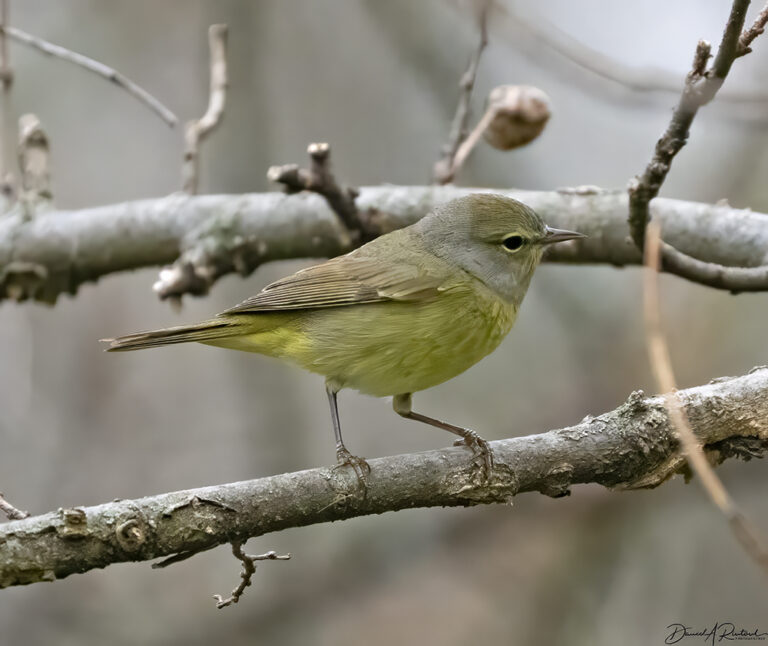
(404, 312)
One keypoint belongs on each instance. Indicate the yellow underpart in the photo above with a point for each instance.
(385, 348)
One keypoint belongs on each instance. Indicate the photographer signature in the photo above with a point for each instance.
(720, 632)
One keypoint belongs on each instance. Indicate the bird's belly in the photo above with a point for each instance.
(391, 348)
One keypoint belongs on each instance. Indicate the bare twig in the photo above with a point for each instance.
(748, 35)
(318, 178)
(196, 131)
(33, 162)
(7, 181)
(445, 168)
(632, 446)
(6, 73)
(645, 79)
(94, 66)
(10, 511)
(700, 87)
(249, 568)
(661, 363)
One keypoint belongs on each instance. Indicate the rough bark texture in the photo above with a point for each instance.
(631, 446)
(208, 236)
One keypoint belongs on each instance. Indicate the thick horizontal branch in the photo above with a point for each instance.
(212, 235)
(631, 446)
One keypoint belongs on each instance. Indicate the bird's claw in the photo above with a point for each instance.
(358, 464)
(482, 451)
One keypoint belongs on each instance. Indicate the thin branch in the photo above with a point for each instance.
(7, 180)
(645, 79)
(94, 66)
(319, 179)
(629, 447)
(661, 364)
(700, 88)
(214, 235)
(196, 131)
(757, 28)
(6, 73)
(10, 511)
(249, 569)
(445, 168)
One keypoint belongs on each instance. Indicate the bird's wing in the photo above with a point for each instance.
(347, 280)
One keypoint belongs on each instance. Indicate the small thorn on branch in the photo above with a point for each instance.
(249, 568)
(318, 178)
(10, 511)
(196, 131)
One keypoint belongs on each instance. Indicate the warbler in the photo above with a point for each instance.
(402, 313)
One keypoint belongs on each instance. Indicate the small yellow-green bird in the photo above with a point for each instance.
(405, 312)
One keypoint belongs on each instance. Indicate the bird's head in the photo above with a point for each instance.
(497, 239)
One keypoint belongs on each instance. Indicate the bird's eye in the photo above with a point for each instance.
(513, 243)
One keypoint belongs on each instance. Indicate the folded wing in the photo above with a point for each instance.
(347, 280)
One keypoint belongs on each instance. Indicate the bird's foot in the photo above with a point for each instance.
(482, 452)
(358, 464)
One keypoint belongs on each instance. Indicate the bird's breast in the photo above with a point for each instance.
(400, 347)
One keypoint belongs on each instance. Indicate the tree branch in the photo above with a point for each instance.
(700, 87)
(445, 168)
(57, 251)
(196, 131)
(635, 79)
(93, 66)
(629, 447)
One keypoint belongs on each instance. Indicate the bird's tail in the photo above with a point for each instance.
(201, 332)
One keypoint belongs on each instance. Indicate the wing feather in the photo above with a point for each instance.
(346, 280)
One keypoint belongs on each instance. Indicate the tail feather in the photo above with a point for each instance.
(205, 331)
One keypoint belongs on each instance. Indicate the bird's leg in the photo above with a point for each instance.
(343, 456)
(402, 406)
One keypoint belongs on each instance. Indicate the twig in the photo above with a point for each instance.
(33, 163)
(445, 168)
(7, 181)
(249, 568)
(196, 131)
(6, 73)
(635, 79)
(175, 558)
(661, 364)
(700, 87)
(318, 178)
(10, 511)
(757, 28)
(94, 66)
(632, 446)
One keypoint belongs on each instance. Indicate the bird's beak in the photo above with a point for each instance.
(559, 235)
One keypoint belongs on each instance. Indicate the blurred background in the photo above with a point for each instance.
(378, 80)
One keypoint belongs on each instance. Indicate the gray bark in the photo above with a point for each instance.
(209, 236)
(631, 446)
